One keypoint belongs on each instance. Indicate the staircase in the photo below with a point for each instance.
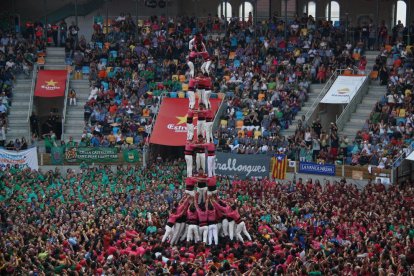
(363, 111)
(19, 125)
(371, 57)
(55, 56)
(74, 122)
(314, 91)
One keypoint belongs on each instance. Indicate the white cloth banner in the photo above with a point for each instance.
(24, 158)
(343, 89)
(410, 156)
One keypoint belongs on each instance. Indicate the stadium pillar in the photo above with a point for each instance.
(286, 19)
(45, 10)
(378, 25)
(76, 12)
(136, 15)
(408, 22)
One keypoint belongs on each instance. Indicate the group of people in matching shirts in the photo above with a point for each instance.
(201, 216)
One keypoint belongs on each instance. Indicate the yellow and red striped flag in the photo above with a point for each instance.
(279, 168)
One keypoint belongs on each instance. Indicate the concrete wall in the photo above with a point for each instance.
(358, 10)
(355, 9)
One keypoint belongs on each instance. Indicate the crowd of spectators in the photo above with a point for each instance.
(17, 57)
(388, 133)
(96, 221)
(264, 76)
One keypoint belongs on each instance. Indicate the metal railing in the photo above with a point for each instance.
(352, 105)
(65, 104)
(397, 162)
(321, 94)
(34, 78)
(219, 113)
(163, 94)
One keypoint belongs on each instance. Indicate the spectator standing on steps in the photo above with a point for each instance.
(63, 32)
(73, 32)
(34, 124)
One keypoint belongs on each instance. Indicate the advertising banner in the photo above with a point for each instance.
(51, 83)
(130, 156)
(314, 168)
(170, 127)
(242, 165)
(89, 155)
(25, 158)
(343, 89)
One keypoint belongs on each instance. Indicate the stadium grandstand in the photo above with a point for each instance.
(172, 137)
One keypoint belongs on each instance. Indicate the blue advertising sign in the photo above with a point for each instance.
(314, 168)
(242, 165)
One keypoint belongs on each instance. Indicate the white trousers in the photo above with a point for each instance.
(189, 162)
(231, 229)
(212, 234)
(168, 233)
(209, 132)
(191, 99)
(200, 93)
(190, 132)
(191, 193)
(191, 66)
(193, 233)
(225, 227)
(201, 161)
(204, 233)
(72, 101)
(184, 231)
(201, 128)
(178, 228)
(205, 67)
(211, 193)
(241, 228)
(211, 166)
(202, 194)
(205, 98)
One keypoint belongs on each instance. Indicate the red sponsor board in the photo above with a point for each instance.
(51, 83)
(171, 125)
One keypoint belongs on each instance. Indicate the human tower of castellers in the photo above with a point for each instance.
(201, 216)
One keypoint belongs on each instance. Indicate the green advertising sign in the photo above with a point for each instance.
(57, 156)
(98, 155)
(130, 156)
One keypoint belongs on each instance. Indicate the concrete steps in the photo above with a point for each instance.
(55, 56)
(18, 125)
(363, 111)
(74, 123)
(313, 94)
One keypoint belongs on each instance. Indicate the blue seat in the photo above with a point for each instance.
(85, 70)
(104, 61)
(105, 85)
(239, 115)
(113, 54)
(173, 94)
(400, 120)
(99, 44)
(230, 94)
(236, 63)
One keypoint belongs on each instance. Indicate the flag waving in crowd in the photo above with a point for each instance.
(279, 166)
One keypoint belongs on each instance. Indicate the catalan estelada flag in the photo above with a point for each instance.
(279, 166)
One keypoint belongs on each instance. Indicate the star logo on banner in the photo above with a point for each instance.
(181, 119)
(51, 83)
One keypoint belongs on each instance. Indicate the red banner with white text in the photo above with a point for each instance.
(51, 83)
(171, 125)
